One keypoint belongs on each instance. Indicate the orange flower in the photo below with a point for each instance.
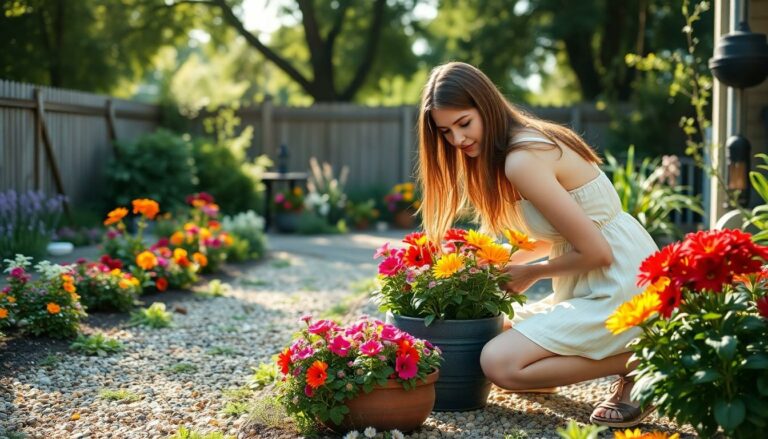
(628, 434)
(228, 240)
(214, 225)
(200, 259)
(316, 374)
(177, 238)
(519, 240)
(69, 287)
(11, 299)
(67, 278)
(125, 283)
(204, 233)
(284, 361)
(146, 260)
(161, 284)
(638, 309)
(116, 215)
(3, 313)
(145, 206)
(494, 254)
(53, 308)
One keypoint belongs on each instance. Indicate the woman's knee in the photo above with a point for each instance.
(499, 365)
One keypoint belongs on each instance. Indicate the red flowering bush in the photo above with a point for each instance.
(327, 365)
(461, 280)
(104, 286)
(703, 352)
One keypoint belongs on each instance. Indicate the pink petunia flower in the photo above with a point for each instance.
(390, 266)
(406, 365)
(383, 252)
(321, 327)
(339, 346)
(371, 348)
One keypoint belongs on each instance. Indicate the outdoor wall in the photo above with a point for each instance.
(77, 128)
(756, 98)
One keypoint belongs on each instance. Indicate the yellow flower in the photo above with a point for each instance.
(11, 299)
(478, 239)
(125, 283)
(189, 226)
(494, 254)
(660, 435)
(3, 313)
(146, 260)
(628, 434)
(67, 278)
(447, 265)
(116, 272)
(408, 196)
(228, 240)
(74, 296)
(116, 215)
(204, 233)
(179, 253)
(518, 239)
(297, 191)
(53, 308)
(637, 310)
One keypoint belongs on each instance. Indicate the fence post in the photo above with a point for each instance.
(406, 123)
(49, 149)
(267, 128)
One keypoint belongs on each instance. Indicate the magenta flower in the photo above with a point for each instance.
(390, 266)
(279, 198)
(306, 318)
(339, 346)
(383, 251)
(371, 348)
(406, 365)
(309, 391)
(321, 327)
(389, 333)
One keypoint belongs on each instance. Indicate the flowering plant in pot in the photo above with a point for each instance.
(703, 351)
(329, 372)
(450, 294)
(402, 202)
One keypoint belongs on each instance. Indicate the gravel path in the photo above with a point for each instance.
(185, 375)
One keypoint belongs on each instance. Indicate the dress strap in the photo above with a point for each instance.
(532, 139)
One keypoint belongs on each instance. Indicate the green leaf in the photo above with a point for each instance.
(711, 316)
(756, 361)
(429, 319)
(705, 376)
(762, 385)
(725, 347)
(730, 414)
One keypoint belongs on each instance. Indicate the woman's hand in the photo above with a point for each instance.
(521, 277)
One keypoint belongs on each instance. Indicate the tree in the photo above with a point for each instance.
(86, 44)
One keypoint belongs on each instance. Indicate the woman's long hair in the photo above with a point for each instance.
(454, 183)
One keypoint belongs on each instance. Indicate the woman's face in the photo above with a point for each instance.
(462, 128)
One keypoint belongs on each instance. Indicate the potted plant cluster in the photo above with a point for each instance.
(365, 374)
(288, 206)
(703, 350)
(402, 202)
(451, 295)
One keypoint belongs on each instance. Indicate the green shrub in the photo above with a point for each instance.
(103, 289)
(185, 433)
(159, 166)
(154, 317)
(96, 344)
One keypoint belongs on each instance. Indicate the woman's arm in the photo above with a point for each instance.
(534, 177)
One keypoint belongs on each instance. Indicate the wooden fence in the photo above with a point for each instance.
(60, 141)
(377, 144)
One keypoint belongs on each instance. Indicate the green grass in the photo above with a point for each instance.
(182, 368)
(118, 395)
(185, 433)
(96, 344)
(281, 263)
(215, 288)
(51, 360)
(154, 317)
(264, 374)
(253, 282)
(235, 408)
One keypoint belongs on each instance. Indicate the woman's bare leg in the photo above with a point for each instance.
(514, 362)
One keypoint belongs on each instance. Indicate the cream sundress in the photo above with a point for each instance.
(571, 320)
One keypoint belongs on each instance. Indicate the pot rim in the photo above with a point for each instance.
(452, 321)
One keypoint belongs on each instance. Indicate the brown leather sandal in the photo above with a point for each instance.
(630, 415)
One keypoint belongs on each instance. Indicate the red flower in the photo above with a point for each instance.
(658, 264)
(284, 360)
(762, 306)
(111, 263)
(417, 256)
(455, 235)
(415, 238)
(161, 284)
(670, 299)
(316, 374)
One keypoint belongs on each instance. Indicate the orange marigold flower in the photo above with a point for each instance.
(214, 225)
(69, 287)
(145, 206)
(494, 254)
(161, 284)
(74, 296)
(116, 272)
(227, 238)
(316, 374)
(637, 310)
(116, 215)
(518, 239)
(177, 238)
(125, 283)
(11, 299)
(67, 278)
(146, 260)
(53, 308)
(200, 259)
(3, 313)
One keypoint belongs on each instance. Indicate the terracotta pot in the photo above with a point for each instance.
(390, 407)
(404, 219)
